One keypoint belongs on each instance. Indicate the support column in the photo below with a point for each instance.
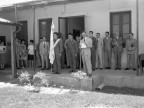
(13, 61)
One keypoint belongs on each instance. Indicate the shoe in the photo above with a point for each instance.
(116, 68)
(127, 69)
(58, 73)
(71, 71)
(134, 69)
(43, 69)
(93, 69)
(54, 72)
(119, 68)
(101, 68)
(109, 67)
(89, 75)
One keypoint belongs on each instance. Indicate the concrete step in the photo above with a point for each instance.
(69, 81)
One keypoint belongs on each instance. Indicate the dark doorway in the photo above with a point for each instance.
(3, 39)
(121, 22)
(23, 34)
(74, 25)
(45, 28)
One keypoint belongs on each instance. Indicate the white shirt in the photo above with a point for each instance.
(31, 49)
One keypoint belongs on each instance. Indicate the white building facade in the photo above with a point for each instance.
(98, 16)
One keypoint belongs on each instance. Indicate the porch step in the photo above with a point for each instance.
(90, 84)
(70, 82)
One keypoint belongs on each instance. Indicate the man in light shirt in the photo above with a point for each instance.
(99, 61)
(85, 46)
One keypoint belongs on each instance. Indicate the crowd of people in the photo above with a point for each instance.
(86, 51)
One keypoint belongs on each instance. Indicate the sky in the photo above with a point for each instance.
(10, 2)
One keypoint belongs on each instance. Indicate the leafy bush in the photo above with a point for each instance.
(39, 80)
(24, 78)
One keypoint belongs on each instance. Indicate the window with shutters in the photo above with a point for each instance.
(121, 22)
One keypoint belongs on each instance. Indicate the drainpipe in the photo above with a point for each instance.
(137, 29)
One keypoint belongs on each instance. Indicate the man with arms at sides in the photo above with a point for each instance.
(58, 49)
(131, 51)
(78, 53)
(93, 50)
(72, 50)
(107, 46)
(67, 58)
(44, 52)
(117, 49)
(99, 52)
(38, 52)
(86, 45)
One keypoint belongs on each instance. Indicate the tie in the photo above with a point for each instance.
(44, 44)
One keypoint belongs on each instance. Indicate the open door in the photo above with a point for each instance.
(63, 29)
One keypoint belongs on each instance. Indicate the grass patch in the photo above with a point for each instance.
(18, 97)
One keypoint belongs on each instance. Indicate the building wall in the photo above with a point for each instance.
(97, 16)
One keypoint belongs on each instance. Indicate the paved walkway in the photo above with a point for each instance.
(7, 75)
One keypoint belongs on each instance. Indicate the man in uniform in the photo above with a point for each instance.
(58, 49)
(131, 50)
(72, 50)
(117, 49)
(93, 50)
(86, 45)
(44, 52)
(78, 54)
(107, 46)
(99, 51)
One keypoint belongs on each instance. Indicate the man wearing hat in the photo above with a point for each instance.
(131, 50)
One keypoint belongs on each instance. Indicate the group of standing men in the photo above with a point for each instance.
(93, 49)
(89, 49)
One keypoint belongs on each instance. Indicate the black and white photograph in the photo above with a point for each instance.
(71, 53)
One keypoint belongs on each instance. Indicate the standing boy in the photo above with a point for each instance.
(31, 53)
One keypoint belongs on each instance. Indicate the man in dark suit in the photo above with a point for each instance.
(117, 49)
(107, 45)
(93, 50)
(58, 49)
(72, 50)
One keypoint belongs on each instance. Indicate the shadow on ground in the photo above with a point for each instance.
(123, 90)
(7, 78)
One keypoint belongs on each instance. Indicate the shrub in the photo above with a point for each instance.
(39, 80)
(24, 78)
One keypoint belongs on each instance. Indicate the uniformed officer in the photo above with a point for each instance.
(72, 50)
(131, 49)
